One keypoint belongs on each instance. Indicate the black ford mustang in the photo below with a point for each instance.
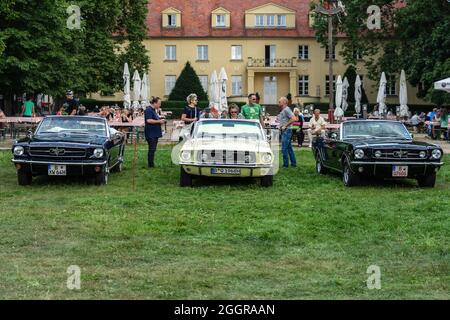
(67, 146)
(379, 148)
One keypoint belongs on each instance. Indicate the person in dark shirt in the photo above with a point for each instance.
(191, 112)
(70, 104)
(152, 129)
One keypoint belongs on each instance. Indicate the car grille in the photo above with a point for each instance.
(57, 152)
(226, 157)
(396, 154)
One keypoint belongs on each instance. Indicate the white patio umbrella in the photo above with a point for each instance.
(338, 112)
(381, 96)
(136, 89)
(126, 87)
(358, 94)
(403, 95)
(214, 89)
(442, 85)
(223, 104)
(144, 91)
(345, 86)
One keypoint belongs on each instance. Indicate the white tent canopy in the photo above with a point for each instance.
(214, 89)
(381, 96)
(338, 112)
(144, 91)
(136, 89)
(223, 104)
(126, 87)
(403, 96)
(358, 94)
(345, 86)
(442, 85)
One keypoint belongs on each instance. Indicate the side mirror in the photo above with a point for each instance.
(186, 135)
(412, 135)
(29, 133)
(334, 136)
(269, 137)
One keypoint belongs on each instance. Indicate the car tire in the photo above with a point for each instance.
(101, 178)
(349, 178)
(320, 169)
(24, 177)
(185, 178)
(427, 181)
(267, 181)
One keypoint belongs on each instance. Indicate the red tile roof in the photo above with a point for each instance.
(196, 18)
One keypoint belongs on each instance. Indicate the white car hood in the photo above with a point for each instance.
(227, 144)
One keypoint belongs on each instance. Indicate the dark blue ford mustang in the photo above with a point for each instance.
(67, 146)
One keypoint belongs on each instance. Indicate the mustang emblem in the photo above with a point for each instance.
(57, 152)
(400, 154)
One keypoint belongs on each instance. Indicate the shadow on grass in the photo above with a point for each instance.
(379, 182)
(231, 182)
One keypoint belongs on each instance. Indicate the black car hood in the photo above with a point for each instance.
(391, 143)
(60, 139)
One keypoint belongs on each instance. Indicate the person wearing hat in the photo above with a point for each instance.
(70, 104)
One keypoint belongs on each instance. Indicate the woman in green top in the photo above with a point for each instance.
(28, 108)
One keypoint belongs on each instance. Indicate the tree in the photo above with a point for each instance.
(413, 37)
(187, 83)
(350, 73)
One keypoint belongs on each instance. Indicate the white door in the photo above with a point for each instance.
(270, 90)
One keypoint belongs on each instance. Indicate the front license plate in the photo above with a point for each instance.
(399, 171)
(225, 171)
(56, 170)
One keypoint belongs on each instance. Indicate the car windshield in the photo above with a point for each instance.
(72, 126)
(375, 129)
(218, 129)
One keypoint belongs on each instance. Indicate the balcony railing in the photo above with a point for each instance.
(272, 63)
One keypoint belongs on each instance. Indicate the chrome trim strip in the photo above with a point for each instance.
(398, 163)
(209, 165)
(59, 162)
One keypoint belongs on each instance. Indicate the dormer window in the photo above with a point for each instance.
(220, 18)
(171, 18)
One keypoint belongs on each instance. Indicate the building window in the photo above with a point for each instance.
(236, 85)
(390, 86)
(171, 52)
(236, 52)
(259, 21)
(327, 53)
(204, 82)
(220, 20)
(202, 53)
(303, 85)
(271, 20)
(171, 20)
(281, 21)
(169, 84)
(303, 52)
(327, 82)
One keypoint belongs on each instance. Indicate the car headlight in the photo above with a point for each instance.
(185, 155)
(436, 154)
(98, 153)
(204, 157)
(266, 158)
(422, 154)
(359, 154)
(378, 154)
(19, 151)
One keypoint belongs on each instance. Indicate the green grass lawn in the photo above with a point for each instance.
(306, 237)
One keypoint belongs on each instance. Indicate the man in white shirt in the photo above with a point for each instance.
(316, 126)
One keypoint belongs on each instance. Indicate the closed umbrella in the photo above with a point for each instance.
(442, 85)
(213, 89)
(126, 87)
(381, 96)
(223, 104)
(144, 91)
(403, 95)
(345, 86)
(358, 94)
(338, 112)
(136, 89)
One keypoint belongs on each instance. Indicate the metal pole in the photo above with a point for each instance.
(330, 70)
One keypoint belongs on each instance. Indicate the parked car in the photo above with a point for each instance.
(226, 148)
(68, 146)
(377, 148)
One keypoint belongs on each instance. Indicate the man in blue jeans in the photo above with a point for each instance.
(153, 129)
(286, 117)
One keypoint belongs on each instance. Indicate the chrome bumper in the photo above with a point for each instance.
(60, 162)
(225, 165)
(405, 163)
